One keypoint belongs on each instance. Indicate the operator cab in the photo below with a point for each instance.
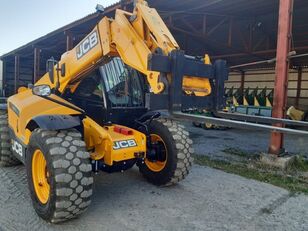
(113, 92)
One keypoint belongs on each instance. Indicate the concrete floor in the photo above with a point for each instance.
(208, 199)
(213, 142)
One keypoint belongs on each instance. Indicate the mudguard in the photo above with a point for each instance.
(54, 122)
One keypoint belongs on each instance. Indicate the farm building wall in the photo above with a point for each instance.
(266, 78)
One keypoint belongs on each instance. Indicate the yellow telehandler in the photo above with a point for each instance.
(107, 105)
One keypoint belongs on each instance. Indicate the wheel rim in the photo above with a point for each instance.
(40, 176)
(208, 125)
(157, 166)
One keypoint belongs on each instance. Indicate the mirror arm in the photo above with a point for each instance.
(58, 77)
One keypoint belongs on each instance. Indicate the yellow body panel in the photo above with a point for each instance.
(102, 141)
(200, 86)
(30, 106)
(196, 85)
(99, 140)
(75, 67)
(132, 49)
(150, 27)
(295, 114)
(133, 41)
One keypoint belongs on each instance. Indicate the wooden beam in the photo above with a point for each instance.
(242, 37)
(190, 26)
(204, 40)
(170, 21)
(214, 28)
(230, 32)
(204, 25)
(250, 44)
(36, 64)
(16, 73)
(185, 42)
(257, 44)
(242, 82)
(69, 40)
(4, 75)
(299, 86)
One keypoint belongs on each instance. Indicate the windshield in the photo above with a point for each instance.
(122, 84)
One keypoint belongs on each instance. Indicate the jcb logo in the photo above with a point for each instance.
(16, 147)
(124, 144)
(87, 44)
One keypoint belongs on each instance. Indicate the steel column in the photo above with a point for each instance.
(299, 86)
(16, 73)
(282, 69)
(36, 65)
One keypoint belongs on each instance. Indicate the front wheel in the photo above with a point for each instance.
(59, 174)
(170, 157)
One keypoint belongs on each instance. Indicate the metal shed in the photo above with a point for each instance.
(239, 31)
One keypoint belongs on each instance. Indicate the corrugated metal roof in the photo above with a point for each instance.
(185, 18)
(85, 20)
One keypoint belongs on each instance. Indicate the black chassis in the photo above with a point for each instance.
(180, 65)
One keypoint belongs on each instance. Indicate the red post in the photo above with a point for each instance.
(282, 69)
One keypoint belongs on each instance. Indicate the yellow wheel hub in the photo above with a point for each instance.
(208, 125)
(40, 176)
(156, 166)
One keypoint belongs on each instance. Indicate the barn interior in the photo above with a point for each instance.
(242, 32)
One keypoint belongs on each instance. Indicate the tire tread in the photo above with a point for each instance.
(7, 159)
(71, 199)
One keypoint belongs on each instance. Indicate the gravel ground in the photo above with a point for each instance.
(207, 199)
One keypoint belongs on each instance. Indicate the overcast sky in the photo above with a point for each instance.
(22, 21)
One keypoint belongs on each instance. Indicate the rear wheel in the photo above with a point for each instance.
(170, 159)
(6, 156)
(208, 126)
(59, 174)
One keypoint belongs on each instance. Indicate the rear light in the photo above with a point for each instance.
(124, 131)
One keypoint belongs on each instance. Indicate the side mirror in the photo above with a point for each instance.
(63, 70)
(50, 66)
(41, 90)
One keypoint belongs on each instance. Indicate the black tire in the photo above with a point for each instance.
(6, 156)
(179, 153)
(208, 126)
(305, 116)
(196, 124)
(70, 174)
